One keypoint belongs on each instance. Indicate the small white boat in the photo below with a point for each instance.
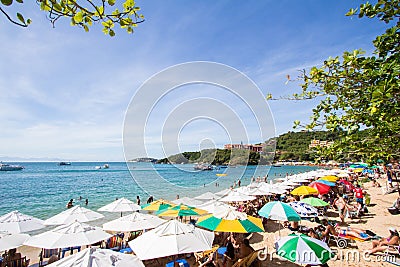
(98, 167)
(7, 167)
(106, 166)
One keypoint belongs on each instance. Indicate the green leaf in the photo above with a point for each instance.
(28, 21)
(20, 1)
(6, 2)
(21, 18)
(78, 18)
(112, 33)
(111, 2)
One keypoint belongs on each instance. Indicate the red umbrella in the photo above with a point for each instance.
(322, 188)
(347, 183)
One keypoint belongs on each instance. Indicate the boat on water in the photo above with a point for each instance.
(63, 163)
(203, 167)
(8, 167)
(221, 174)
(106, 166)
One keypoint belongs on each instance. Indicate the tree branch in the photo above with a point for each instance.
(11, 20)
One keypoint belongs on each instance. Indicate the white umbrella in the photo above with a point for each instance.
(235, 196)
(171, 238)
(207, 196)
(223, 192)
(97, 257)
(9, 241)
(16, 222)
(121, 205)
(212, 206)
(73, 214)
(133, 222)
(188, 201)
(70, 235)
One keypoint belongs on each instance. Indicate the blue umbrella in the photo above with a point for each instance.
(325, 182)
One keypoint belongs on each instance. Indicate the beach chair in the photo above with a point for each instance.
(395, 250)
(22, 262)
(247, 261)
(199, 256)
(46, 254)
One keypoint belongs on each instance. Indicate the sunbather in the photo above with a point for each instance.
(381, 245)
(336, 231)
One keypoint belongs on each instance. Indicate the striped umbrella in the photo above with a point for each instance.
(304, 210)
(325, 182)
(158, 205)
(180, 210)
(279, 211)
(322, 188)
(304, 190)
(227, 219)
(303, 249)
(330, 178)
(315, 202)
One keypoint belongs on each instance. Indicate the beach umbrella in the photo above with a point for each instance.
(304, 210)
(69, 235)
(322, 188)
(279, 211)
(121, 205)
(180, 210)
(188, 201)
(303, 249)
(304, 190)
(16, 222)
(76, 213)
(235, 196)
(290, 183)
(9, 241)
(223, 192)
(157, 205)
(171, 238)
(97, 257)
(315, 202)
(227, 219)
(325, 182)
(330, 178)
(213, 205)
(342, 175)
(208, 196)
(133, 222)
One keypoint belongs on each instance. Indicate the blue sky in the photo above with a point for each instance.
(64, 92)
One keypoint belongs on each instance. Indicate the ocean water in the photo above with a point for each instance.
(42, 189)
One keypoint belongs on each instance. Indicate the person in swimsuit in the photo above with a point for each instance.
(381, 245)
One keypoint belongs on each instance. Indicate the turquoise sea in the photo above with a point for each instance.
(42, 189)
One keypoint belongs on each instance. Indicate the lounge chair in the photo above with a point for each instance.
(201, 255)
(22, 262)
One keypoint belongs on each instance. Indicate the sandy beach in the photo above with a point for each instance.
(377, 220)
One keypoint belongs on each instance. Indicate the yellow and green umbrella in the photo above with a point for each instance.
(157, 205)
(229, 220)
(181, 210)
(304, 190)
(330, 178)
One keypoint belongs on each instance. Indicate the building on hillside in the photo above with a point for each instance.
(319, 143)
(255, 148)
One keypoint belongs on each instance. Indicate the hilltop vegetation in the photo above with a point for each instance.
(289, 146)
(295, 145)
(216, 157)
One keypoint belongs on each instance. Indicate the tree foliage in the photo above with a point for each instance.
(84, 13)
(360, 92)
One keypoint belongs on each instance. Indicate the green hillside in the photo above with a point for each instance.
(289, 146)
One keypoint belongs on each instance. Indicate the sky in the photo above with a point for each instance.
(65, 94)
